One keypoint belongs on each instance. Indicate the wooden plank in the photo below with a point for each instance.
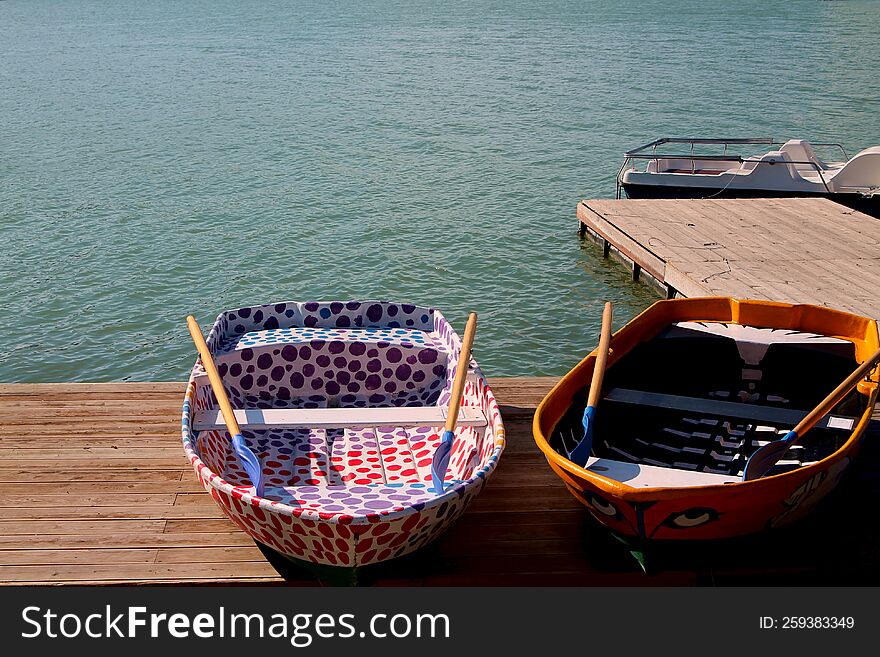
(227, 554)
(60, 391)
(65, 557)
(85, 409)
(137, 572)
(68, 500)
(135, 455)
(106, 489)
(126, 475)
(59, 465)
(51, 425)
(189, 526)
(109, 526)
(128, 539)
(132, 390)
(137, 512)
(90, 442)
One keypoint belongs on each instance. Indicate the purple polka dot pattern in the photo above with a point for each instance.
(341, 365)
(349, 496)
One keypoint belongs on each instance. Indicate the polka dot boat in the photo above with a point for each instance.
(343, 403)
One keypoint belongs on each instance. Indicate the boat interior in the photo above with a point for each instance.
(338, 395)
(690, 406)
(797, 153)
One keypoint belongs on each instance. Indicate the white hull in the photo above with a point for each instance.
(792, 170)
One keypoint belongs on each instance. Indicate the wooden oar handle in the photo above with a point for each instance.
(464, 363)
(213, 375)
(601, 357)
(836, 395)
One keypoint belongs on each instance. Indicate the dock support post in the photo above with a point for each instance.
(670, 292)
(606, 248)
(637, 269)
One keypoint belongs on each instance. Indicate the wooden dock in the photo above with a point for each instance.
(799, 250)
(96, 490)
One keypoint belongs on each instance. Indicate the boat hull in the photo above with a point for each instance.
(709, 514)
(868, 205)
(712, 511)
(354, 497)
(333, 540)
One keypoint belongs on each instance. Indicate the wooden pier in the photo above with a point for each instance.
(96, 490)
(799, 250)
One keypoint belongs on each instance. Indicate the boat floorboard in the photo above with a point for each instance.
(94, 489)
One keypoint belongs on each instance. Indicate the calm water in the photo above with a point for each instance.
(163, 158)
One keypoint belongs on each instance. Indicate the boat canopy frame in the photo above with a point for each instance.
(641, 153)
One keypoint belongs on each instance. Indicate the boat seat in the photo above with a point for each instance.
(639, 475)
(304, 335)
(328, 418)
(341, 366)
(751, 412)
(860, 173)
(801, 151)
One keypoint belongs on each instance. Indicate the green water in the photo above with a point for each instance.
(164, 158)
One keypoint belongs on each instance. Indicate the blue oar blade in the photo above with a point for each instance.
(249, 462)
(584, 448)
(441, 461)
(764, 458)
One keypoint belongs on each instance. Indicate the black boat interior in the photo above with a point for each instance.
(704, 402)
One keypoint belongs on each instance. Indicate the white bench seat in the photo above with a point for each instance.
(786, 417)
(639, 475)
(338, 418)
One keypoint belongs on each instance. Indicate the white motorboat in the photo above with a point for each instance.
(665, 169)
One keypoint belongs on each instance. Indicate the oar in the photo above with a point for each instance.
(441, 457)
(248, 459)
(582, 450)
(767, 456)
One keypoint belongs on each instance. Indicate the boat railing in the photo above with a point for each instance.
(649, 152)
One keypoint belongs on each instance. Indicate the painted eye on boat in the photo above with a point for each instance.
(605, 508)
(692, 518)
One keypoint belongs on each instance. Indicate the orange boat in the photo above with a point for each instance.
(693, 389)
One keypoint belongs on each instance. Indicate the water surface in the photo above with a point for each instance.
(165, 158)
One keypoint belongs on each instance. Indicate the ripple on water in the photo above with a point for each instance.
(162, 158)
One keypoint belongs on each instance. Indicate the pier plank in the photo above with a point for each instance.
(137, 573)
(799, 250)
